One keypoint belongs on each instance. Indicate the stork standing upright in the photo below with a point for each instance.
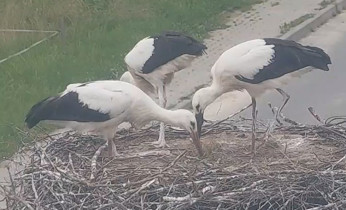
(99, 107)
(256, 66)
(154, 60)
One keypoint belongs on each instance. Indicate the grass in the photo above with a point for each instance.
(95, 36)
(275, 4)
(323, 4)
(287, 26)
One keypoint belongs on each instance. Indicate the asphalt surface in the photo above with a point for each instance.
(324, 91)
(263, 20)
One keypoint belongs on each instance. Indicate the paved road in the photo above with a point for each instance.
(263, 20)
(325, 91)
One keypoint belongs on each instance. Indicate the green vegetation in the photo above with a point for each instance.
(325, 3)
(275, 4)
(95, 36)
(287, 26)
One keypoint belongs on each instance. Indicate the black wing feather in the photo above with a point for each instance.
(289, 56)
(170, 45)
(63, 108)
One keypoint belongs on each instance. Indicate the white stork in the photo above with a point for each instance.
(126, 77)
(154, 60)
(99, 107)
(147, 87)
(256, 66)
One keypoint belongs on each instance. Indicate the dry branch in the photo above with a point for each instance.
(63, 174)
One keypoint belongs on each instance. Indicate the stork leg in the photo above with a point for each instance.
(164, 96)
(254, 115)
(286, 97)
(162, 102)
(108, 136)
(112, 150)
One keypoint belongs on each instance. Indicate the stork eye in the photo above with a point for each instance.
(193, 124)
(197, 107)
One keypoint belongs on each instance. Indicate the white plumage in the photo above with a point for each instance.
(140, 53)
(99, 107)
(153, 61)
(126, 77)
(256, 66)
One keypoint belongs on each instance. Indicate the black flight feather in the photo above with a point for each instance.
(63, 108)
(170, 45)
(289, 56)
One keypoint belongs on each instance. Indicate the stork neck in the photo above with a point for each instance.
(166, 116)
(212, 93)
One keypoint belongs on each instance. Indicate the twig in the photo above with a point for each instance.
(144, 186)
(337, 162)
(34, 188)
(288, 120)
(11, 180)
(172, 180)
(144, 154)
(18, 199)
(328, 206)
(274, 111)
(174, 161)
(179, 199)
(165, 169)
(313, 113)
(330, 121)
(114, 204)
(229, 117)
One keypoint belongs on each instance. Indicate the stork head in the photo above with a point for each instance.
(202, 98)
(186, 120)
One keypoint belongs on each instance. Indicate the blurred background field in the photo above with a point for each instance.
(94, 37)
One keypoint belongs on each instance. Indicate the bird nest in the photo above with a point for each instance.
(297, 167)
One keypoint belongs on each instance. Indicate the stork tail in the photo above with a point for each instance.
(35, 114)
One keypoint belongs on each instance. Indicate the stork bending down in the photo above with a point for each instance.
(99, 107)
(256, 66)
(154, 60)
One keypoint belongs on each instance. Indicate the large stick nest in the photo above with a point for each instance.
(298, 167)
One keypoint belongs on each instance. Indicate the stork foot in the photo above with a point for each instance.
(107, 154)
(160, 144)
(254, 147)
(111, 150)
(113, 153)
